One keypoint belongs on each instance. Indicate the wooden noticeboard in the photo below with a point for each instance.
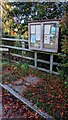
(44, 36)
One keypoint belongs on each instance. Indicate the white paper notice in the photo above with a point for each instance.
(38, 37)
(33, 29)
(38, 29)
(38, 32)
(46, 39)
(47, 29)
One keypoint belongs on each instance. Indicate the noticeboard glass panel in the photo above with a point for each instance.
(50, 37)
(35, 36)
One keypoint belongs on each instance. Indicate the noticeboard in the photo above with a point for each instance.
(43, 36)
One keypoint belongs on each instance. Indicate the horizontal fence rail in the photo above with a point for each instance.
(24, 54)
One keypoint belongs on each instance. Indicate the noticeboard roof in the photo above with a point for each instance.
(48, 20)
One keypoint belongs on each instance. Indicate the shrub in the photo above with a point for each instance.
(64, 49)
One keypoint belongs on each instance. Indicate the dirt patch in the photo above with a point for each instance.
(32, 79)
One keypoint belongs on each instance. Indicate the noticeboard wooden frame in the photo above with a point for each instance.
(43, 35)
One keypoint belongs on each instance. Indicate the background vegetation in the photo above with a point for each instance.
(15, 24)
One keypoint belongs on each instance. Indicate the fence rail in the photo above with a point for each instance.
(34, 58)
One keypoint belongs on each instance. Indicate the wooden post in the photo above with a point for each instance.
(9, 54)
(35, 60)
(51, 62)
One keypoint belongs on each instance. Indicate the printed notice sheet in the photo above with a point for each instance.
(33, 38)
(46, 39)
(38, 37)
(38, 29)
(47, 29)
(53, 30)
(38, 32)
(32, 29)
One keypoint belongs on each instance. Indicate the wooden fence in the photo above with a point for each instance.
(41, 60)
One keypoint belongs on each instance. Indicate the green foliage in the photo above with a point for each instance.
(17, 44)
(24, 66)
(7, 36)
(66, 84)
(27, 11)
(5, 63)
(64, 48)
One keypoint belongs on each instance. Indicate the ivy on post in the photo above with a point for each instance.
(64, 49)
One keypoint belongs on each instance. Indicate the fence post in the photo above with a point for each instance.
(35, 58)
(9, 54)
(51, 62)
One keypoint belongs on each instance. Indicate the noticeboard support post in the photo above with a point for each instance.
(51, 62)
(35, 59)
